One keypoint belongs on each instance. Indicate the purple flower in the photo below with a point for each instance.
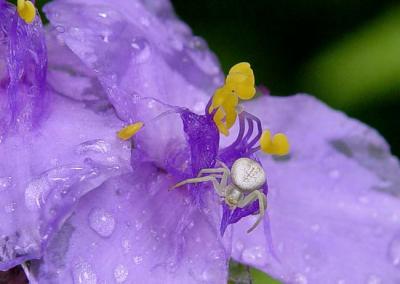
(99, 208)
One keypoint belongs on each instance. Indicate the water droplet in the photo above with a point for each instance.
(102, 222)
(34, 193)
(96, 145)
(137, 259)
(373, 279)
(5, 182)
(141, 49)
(120, 273)
(138, 225)
(239, 245)
(145, 21)
(394, 251)
(84, 274)
(300, 279)
(126, 245)
(198, 43)
(334, 174)
(254, 254)
(9, 208)
(103, 15)
(315, 227)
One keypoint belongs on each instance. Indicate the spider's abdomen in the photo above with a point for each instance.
(247, 174)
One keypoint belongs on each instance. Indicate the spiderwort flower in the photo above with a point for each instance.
(93, 218)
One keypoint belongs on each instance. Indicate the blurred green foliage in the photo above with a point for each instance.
(345, 52)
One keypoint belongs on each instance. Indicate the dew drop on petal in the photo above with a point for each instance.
(120, 273)
(138, 259)
(5, 182)
(300, 279)
(103, 15)
(96, 146)
(34, 193)
(102, 222)
(10, 207)
(394, 251)
(84, 274)
(315, 228)
(141, 49)
(239, 245)
(126, 245)
(334, 174)
(373, 279)
(254, 255)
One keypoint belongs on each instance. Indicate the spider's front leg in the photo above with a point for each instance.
(213, 178)
(262, 201)
(224, 171)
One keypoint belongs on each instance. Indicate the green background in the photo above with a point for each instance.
(345, 52)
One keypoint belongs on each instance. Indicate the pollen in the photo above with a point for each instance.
(130, 130)
(277, 145)
(26, 10)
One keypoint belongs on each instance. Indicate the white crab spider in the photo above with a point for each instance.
(247, 178)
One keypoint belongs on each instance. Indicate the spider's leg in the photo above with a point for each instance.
(211, 171)
(224, 171)
(212, 178)
(261, 202)
(222, 164)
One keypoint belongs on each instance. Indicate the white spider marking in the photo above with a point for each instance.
(247, 178)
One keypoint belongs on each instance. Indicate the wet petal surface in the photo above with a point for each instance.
(137, 50)
(334, 203)
(132, 229)
(43, 173)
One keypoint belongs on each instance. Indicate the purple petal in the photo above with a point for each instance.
(132, 229)
(334, 204)
(44, 172)
(23, 64)
(68, 75)
(137, 50)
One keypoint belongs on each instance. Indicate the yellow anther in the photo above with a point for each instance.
(278, 145)
(219, 122)
(223, 97)
(26, 10)
(240, 80)
(238, 84)
(226, 103)
(130, 130)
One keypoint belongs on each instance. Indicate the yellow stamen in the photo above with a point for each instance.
(130, 130)
(241, 81)
(278, 145)
(238, 84)
(26, 10)
(218, 120)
